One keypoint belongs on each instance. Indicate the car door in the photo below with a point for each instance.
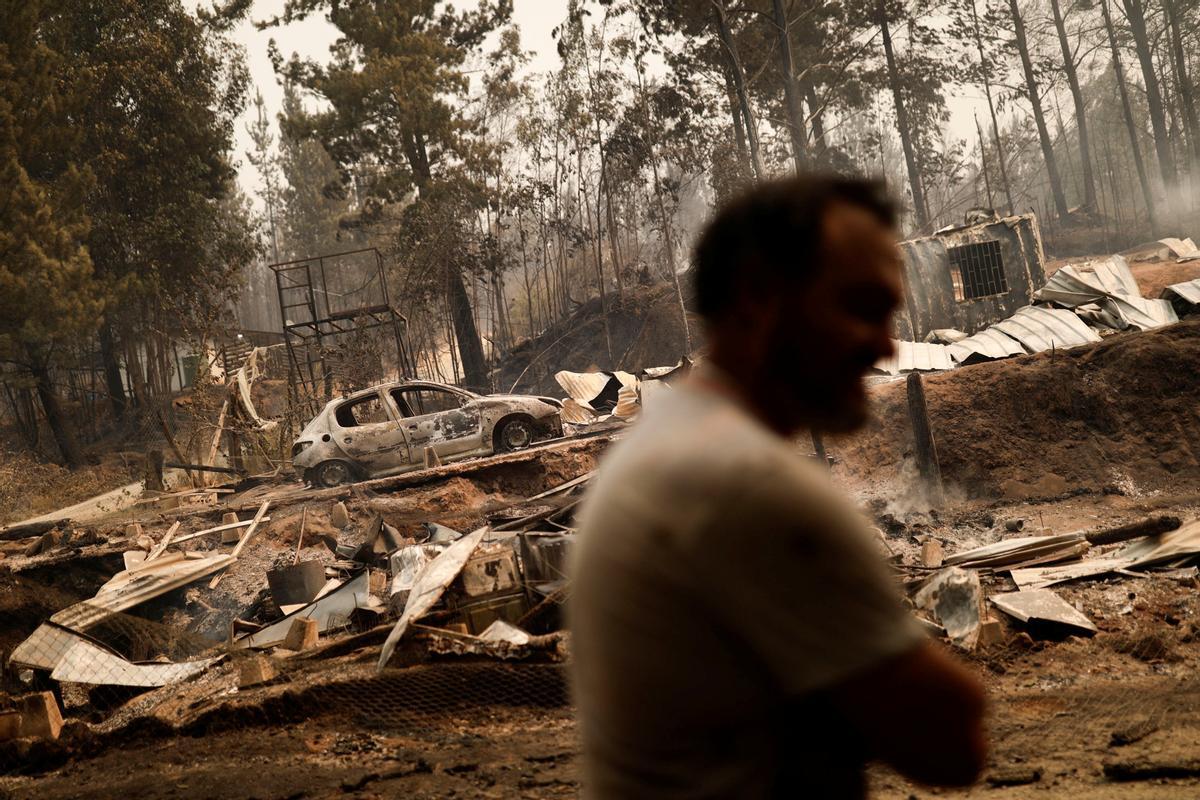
(369, 433)
(437, 418)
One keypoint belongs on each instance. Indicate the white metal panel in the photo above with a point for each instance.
(916, 357)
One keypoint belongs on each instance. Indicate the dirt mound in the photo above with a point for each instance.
(1154, 276)
(1122, 413)
(644, 327)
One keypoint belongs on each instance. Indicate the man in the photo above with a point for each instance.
(735, 632)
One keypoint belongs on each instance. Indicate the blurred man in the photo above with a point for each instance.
(735, 632)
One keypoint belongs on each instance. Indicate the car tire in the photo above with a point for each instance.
(514, 434)
(329, 474)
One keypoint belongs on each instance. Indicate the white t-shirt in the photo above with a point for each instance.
(720, 584)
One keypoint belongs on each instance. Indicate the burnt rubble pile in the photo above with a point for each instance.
(291, 586)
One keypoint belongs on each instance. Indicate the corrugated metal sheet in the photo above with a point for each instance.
(989, 343)
(1138, 312)
(916, 356)
(1109, 285)
(130, 588)
(1188, 290)
(1079, 284)
(1184, 250)
(1045, 328)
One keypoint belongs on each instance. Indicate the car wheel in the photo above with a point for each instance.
(333, 473)
(516, 434)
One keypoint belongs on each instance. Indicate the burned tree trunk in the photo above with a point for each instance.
(1039, 118)
(987, 88)
(112, 372)
(465, 332)
(1186, 95)
(56, 418)
(739, 129)
(920, 209)
(739, 83)
(1127, 108)
(1135, 13)
(791, 93)
(1085, 153)
(816, 116)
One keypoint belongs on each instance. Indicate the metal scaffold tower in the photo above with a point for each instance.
(328, 298)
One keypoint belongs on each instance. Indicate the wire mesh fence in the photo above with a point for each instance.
(129, 631)
(1059, 705)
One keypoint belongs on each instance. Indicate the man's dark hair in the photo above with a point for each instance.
(772, 233)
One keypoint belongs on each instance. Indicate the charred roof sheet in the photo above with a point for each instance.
(1041, 329)
(988, 343)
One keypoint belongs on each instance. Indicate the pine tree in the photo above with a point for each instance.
(48, 298)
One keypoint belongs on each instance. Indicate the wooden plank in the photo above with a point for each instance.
(1135, 530)
(201, 468)
(166, 540)
(216, 442)
(226, 527)
(300, 538)
(237, 548)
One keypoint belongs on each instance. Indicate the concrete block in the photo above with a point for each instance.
(339, 515)
(991, 632)
(255, 671)
(232, 535)
(378, 582)
(302, 635)
(931, 553)
(144, 542)
(40, 717)
(133, 531)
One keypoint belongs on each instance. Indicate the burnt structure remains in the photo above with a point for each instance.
(329, 304)
(969, 277)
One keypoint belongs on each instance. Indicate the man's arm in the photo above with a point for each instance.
(921, 713)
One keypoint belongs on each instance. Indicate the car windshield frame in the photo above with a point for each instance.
(424, 386)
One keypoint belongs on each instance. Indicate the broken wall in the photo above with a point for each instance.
(929, 282)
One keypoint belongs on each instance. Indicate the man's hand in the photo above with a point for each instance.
(921, 713)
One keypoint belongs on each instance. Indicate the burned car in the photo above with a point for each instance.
(386, 430)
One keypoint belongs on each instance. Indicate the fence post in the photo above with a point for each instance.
(925, 447)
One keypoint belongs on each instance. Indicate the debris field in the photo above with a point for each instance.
(404, 634)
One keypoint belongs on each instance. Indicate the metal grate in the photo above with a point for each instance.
(977, 270)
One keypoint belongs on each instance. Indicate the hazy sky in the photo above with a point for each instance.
(312, 38)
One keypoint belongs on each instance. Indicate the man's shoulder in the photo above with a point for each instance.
(698, 457)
